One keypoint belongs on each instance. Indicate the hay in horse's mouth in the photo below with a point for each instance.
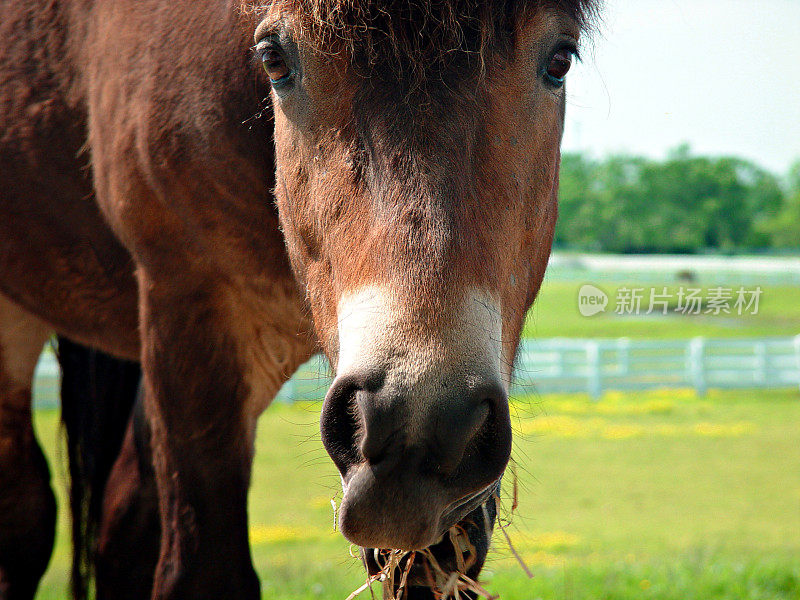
(400, 570)
(446, 577)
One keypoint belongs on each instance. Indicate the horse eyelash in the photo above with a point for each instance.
(571, 47)
(262, 47)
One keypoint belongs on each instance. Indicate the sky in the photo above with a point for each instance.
(721, 75)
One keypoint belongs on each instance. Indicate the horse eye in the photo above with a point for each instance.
(275, 66)
(559, 66)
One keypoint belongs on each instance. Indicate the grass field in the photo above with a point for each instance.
(658, 496)
(556, 314)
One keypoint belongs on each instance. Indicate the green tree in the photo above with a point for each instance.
(685, 203)
(783, 228)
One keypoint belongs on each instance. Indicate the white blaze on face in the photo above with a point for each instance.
(377, 333)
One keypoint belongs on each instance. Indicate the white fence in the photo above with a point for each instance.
(590, 366)
(664, 268)
(595, 366)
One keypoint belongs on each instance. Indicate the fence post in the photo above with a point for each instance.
(289, 391)
(797, 356)
(560, 362)
(697, 365)
(760, 351)
(593, 365)
(524, 381)
(624, 355)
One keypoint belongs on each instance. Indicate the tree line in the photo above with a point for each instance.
(683, 204)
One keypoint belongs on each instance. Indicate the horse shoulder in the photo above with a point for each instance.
(183, 170)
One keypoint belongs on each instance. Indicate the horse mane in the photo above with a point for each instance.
(416, 36)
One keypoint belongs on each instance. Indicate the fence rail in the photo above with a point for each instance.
(590, 366)
(595, 366)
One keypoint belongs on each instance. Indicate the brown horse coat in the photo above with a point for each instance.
(137, 216)
(87, 126)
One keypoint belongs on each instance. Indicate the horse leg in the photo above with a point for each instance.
(128, 541)
(27, 504)
(205, 383)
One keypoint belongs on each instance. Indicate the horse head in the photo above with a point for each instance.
(417, 160)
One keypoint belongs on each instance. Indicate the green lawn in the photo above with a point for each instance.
(651, 496)
(556, 314)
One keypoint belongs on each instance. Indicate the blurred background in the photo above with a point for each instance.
(657, 401)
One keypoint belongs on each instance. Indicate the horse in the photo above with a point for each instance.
(212, 191)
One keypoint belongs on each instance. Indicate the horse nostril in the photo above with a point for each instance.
(491, 394)
(373, 441)
(384, 432)
(464, 431)
(340, 424)
(490, 447)
(375, 450)
(353, 424)
(461, 438)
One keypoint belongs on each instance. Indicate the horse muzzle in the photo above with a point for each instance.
(412, 470)
(424, 575)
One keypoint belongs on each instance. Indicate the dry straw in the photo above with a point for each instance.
(446, 585)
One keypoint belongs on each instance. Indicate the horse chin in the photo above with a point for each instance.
(462, 548)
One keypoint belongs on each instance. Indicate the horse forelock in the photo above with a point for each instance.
(407, 38)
